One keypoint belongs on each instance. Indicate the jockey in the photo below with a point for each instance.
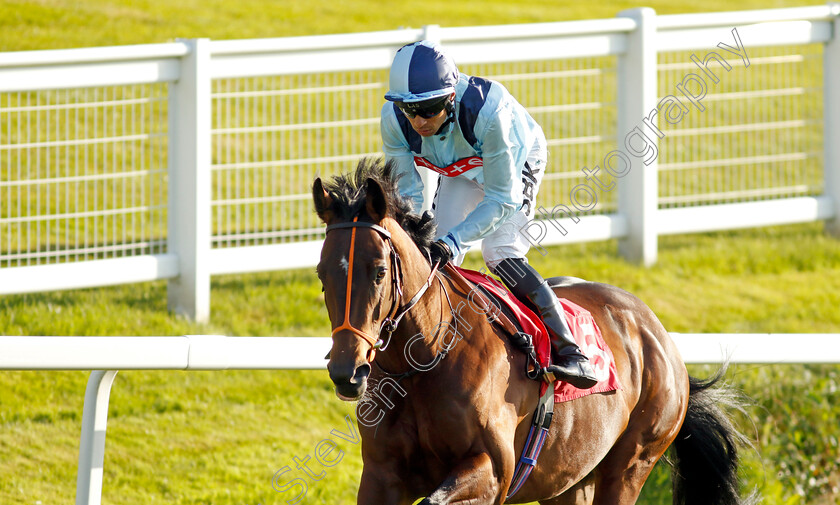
(491, 156)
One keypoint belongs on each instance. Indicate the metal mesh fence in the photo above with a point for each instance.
(574, 102)
(272, 136)
(760, 135)
(82, 174)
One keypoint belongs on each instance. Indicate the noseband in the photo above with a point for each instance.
(389, 324)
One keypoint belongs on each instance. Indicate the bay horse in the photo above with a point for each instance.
(455, 412)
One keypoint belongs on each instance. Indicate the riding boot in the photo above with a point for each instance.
(568, 363)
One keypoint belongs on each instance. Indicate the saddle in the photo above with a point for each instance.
(526, 332)
(523, 328)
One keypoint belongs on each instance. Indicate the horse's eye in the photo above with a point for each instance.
(381, 274)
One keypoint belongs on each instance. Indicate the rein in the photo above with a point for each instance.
(440, 354)
(389, 324)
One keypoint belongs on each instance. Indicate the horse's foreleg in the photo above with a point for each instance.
(381, 488)
(471, 481)
(581, 493)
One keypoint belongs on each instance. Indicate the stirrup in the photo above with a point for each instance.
(584, 379)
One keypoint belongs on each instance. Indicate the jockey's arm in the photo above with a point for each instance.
(503, 153)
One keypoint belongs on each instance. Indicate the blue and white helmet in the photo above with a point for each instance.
(421, 71)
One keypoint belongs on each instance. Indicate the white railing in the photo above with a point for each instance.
(106, 355)
(184, 160)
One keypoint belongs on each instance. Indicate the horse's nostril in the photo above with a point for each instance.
(361, 374)
(341, 374)
(350, 381)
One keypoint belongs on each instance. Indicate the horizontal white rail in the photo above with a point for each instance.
(558, 29)
(87, 274)
(314, 42)
(188, 352)
(240, 260)
(553, 229)
(733, 216)
(375, 50)
(766, 35)
(93, 54)
(89, 67)
(548, 231)
(734, 18)
(89, 75)
(215, 352)
(759, 348)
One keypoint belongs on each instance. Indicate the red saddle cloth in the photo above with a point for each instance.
(586, 333)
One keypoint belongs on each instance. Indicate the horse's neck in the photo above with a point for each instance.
(431, 329)
(414, 341)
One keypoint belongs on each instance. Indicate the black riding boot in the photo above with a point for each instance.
(568, 363)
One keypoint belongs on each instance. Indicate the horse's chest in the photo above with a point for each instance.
(443, 432)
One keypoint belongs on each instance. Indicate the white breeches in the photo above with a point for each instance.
(456, 197)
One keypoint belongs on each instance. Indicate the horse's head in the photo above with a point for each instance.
(362, 277)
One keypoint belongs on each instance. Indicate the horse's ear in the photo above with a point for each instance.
(323, 201)
(375, 202)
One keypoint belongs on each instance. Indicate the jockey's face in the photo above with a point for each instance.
(427, 127)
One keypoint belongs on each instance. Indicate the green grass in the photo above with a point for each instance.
(219, 437)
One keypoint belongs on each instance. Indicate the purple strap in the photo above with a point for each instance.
(534, 442)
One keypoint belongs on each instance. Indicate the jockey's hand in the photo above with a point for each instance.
(440, 253)
(426, 217)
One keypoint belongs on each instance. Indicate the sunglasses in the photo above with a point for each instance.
(427, 109)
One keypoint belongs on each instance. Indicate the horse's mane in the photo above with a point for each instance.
(348, 192)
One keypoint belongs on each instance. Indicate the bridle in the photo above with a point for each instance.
(397, 311)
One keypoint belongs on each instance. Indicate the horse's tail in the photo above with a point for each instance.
(705, 452)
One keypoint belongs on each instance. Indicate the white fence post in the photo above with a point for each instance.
(189, 183)
(639, 189)
(831, 121)
(92, 441)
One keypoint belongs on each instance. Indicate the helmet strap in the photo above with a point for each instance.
(450, 116)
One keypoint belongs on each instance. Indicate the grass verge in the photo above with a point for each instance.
(220, 437)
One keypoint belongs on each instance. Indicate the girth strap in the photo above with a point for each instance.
(534, 443)
(545, 407)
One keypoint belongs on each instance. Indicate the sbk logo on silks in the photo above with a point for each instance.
(459, 167)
